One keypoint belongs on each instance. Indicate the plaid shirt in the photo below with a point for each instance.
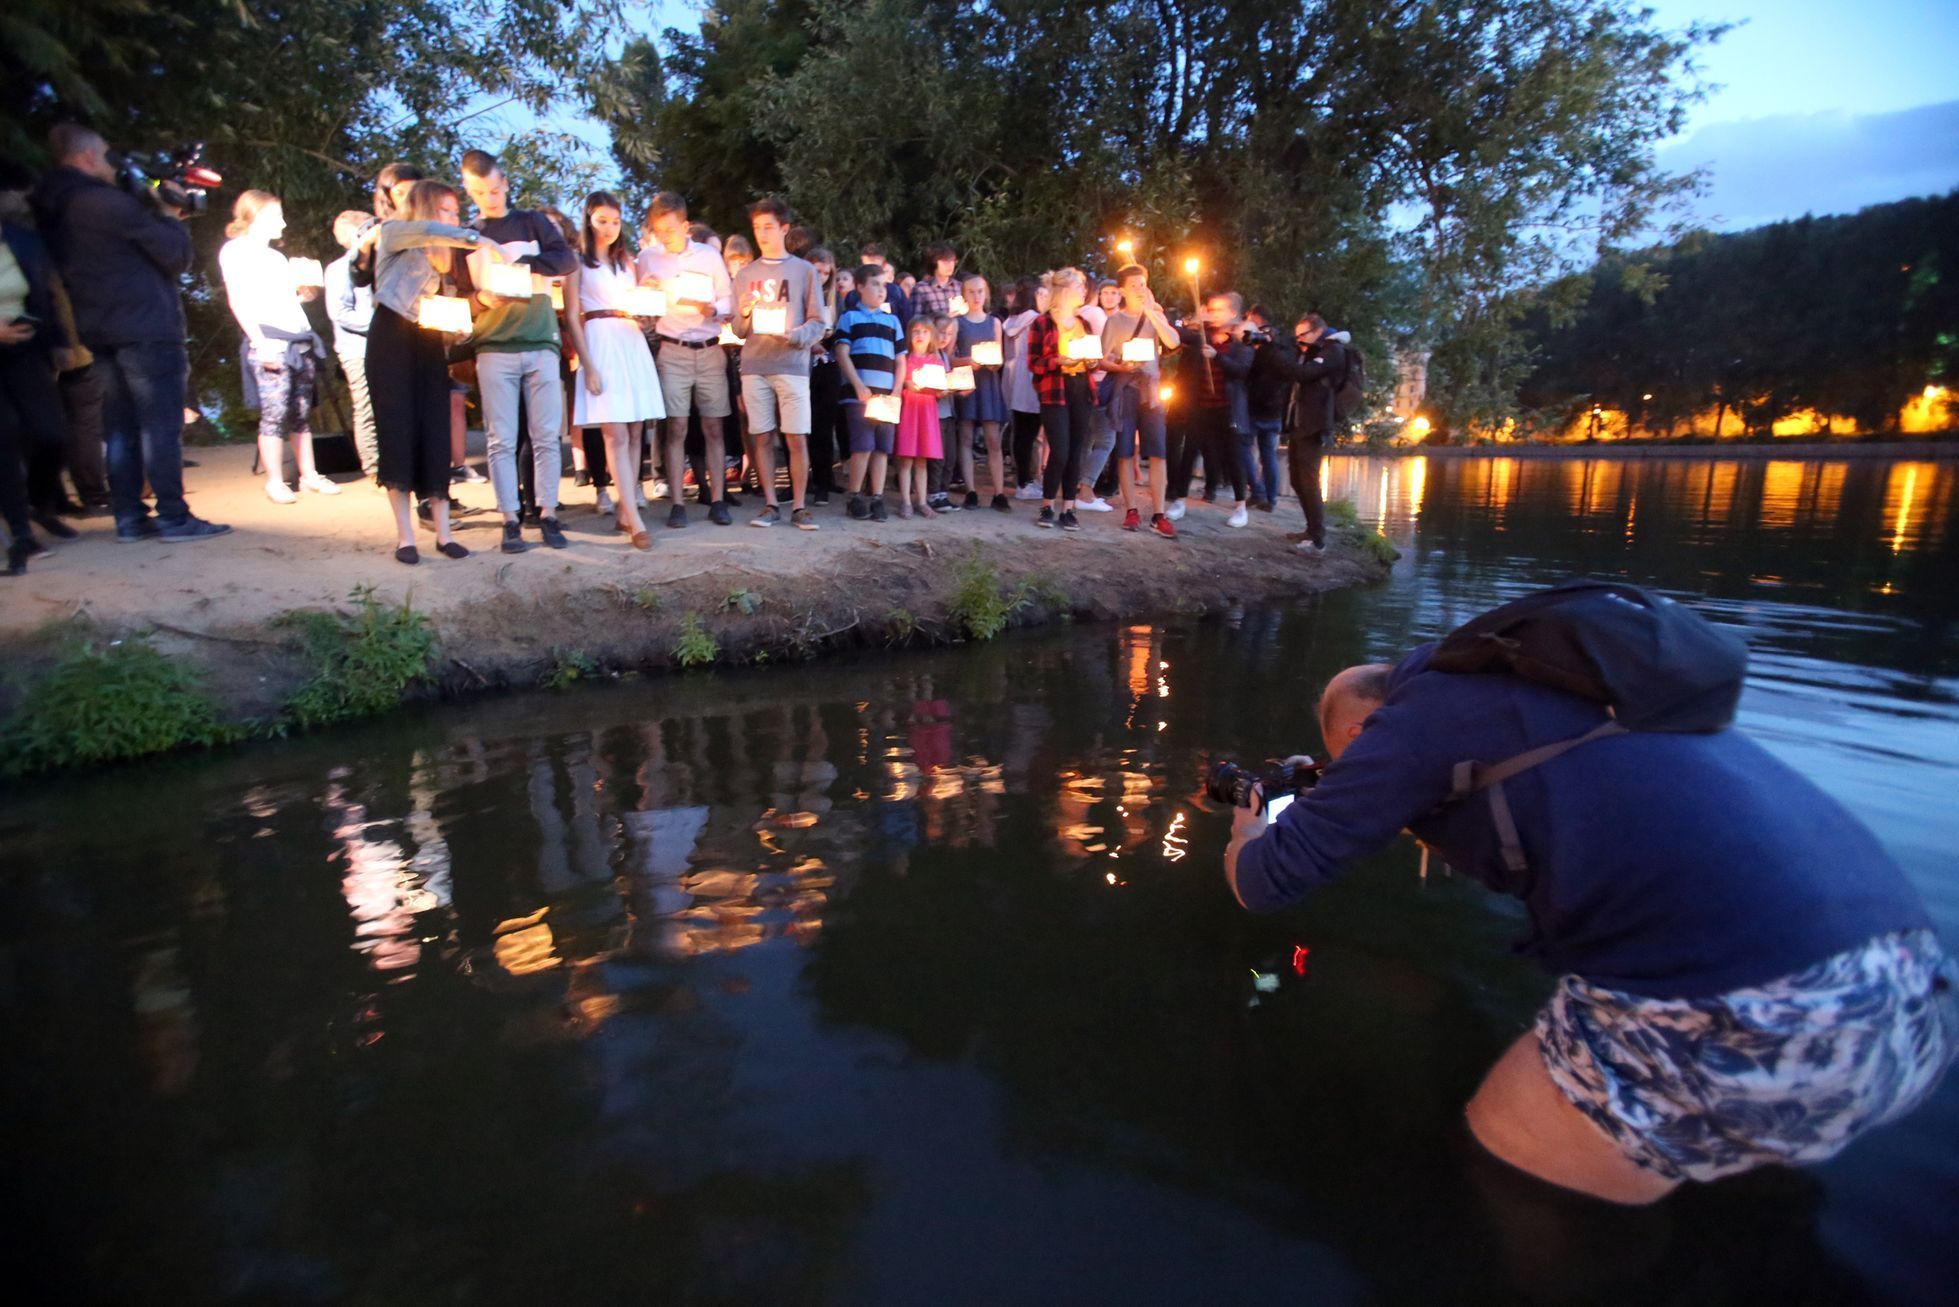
(928, 297)
(1044, 362)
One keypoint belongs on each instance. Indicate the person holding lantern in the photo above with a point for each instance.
(1059, 359)
(693, 373)
(1135, 335)
(980, 347)
(779, 316)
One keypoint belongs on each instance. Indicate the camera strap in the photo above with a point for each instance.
(1469, 777)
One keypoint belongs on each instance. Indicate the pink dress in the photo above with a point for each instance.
(918, 416)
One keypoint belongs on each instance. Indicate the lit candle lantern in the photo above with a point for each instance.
(928, 376)
(696, 286)
(1140, 350)
(510, 280)
(1166, 393)
(557, 293)
(444, 313)
(958, 308)
(728, 336)
(1084, 349)
(882, 408)
(306, 272)
(646, 302)
(986, 354)
(769, 320)
(961, 380)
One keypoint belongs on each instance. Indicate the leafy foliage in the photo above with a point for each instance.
(697, 646)
(979, 606)
(362, 663)
(122, 700)
(742, 601)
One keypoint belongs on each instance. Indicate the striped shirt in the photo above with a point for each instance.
(871, 335)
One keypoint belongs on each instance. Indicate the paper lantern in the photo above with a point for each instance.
(960, 380)
(557, 293)
(1140, 350)
(306, 272)
(728, 336)
(1084, 349)
(928, 376)
(646, 302)
(986, 354)
(958, 308)
(1166, 393)
(769, 320)
(444, 313)
(882, 408)
(510, 280)
(696, 286)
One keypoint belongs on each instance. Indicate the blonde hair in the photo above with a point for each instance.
(347, 225)
(1066, 277)
(247, 207)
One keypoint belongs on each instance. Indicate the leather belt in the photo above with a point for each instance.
(688, 344)
(605, 313)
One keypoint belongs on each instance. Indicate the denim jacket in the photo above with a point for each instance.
(402, 271)
(349, 307)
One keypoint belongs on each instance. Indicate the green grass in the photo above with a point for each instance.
(122, 700)
(363, 663)
(697, 646)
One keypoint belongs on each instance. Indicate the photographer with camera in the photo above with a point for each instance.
(1745, 977)
(1311, 417)
(121, 257)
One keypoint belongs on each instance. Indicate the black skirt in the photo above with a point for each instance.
(408, 380)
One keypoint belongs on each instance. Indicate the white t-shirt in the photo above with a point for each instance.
(259, 287)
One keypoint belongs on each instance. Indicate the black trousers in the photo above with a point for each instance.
(1303, 454)
(1027, 430)
(1066, 427)
(1208, 433)
(826, 425)
(32, 427)
(81, 398)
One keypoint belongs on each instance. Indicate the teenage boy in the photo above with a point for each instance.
(775, 358)
(693, 373)
(1216, 363)
(867, 356)
(894, 295)
(1137, 410)
(934, 295)
(517, 351)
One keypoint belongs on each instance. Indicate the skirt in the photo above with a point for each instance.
(408, 384)
(630, 383)
(988, 400)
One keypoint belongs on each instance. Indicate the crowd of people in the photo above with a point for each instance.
(686, 359)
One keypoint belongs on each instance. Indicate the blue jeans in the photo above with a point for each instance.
(143, 427)
(1259, 452)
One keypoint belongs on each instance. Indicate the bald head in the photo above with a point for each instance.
(76, 146)
(1348, 699)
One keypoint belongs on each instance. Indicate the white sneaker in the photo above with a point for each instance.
(1094, 505)
(1028, 492)
(639, 497)
(1308, 547)
(280, 493)
(659, 492)
(1176, 513)
(604, 505)
(1239, 517)
(319, 485)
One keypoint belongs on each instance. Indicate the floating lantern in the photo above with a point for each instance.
(882, 408)
(961, 381)
(928, 376)
(769, 320)
(444, 313)
(728, 336)
(646, 302)
(510, 280)
(1084, 349)
(958, 308)
(306, 273)
(986, 354)
(696, 286)
(1140, 350)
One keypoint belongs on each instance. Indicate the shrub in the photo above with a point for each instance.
(744, 602)
(696, 646)
(647, 599)
(125, 700)
(978, 606)
(362, 663)
(568, 666)
(1342, 513)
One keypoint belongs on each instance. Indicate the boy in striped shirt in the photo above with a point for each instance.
(867, 355)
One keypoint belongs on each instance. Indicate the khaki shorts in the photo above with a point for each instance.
(693, 379)
(777, 403)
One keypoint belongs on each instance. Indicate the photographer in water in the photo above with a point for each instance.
(122, 258)
(1745, 977)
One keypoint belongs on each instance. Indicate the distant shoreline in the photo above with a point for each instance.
(1935, 448)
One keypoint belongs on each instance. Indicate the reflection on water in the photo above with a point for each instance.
(905, 980)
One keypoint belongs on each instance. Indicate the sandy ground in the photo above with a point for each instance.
(499, 615)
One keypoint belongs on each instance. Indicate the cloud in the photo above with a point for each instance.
(1767, 169)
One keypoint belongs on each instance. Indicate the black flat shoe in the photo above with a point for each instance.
(408, 554)
(450, 549)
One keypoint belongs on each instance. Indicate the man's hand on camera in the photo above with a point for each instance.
(1248, 820)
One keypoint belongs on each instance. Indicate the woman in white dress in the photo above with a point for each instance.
(620, 388)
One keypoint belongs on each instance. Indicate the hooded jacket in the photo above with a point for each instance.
(1322, 368)
(120, 259)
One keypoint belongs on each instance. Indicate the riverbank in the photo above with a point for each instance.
(703, 595)
(1928, 448)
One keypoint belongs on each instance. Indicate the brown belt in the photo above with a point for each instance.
(606, 313)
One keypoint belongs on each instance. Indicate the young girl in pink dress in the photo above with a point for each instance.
(918, 417)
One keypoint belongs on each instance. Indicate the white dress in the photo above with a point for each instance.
(630, 383)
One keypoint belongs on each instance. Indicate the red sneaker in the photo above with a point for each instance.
(1163, 526)
(1132, 521)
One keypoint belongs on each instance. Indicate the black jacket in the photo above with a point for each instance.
(1275, 370)
(120, 259)
(31, 253)
(1321, 370)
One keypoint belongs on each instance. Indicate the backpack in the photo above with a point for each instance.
(1654, 665)
(1347, 396)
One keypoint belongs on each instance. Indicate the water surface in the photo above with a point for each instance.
(911, 978)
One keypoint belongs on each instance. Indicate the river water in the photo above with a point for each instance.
(911, 978)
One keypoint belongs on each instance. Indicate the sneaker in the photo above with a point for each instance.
(803, 519)
(659, 491)
(319, 485)
(676, 517)
(602, 506)
(554, 535)
(1069, 522)
(941, 503)
(767, 517)
(581, 478)
(1132, 521)
(858, 510)
(54, 526)
(1028, 492)
(280, 493)
(1263, 505)
(1310, 547)
(1001, 504)
(878, 513)
(718, 514)
(1046, 519)
(1161, 524)
(1094, 505)
(143, 528)
(468, 475)
(513, 538)
(1176, 513)
(191, 528)
(972, 499)
(1239, 517)
(820, 498)
(639, 497)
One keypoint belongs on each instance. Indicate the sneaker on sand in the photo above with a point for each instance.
(554, 535)
(1028, 492)
(1046, 519)
(1163, 526)
(1310, 547)
(677, 517)
(319, 485)
(878, 513)
(513, 538)
(718, 514)
(603, 504)
(1176, 513)
(767, 517)
(1094, 505)
(1132, 521)
(191, 528)
(280, 493)
(1069, 521)
(143, 528)
(1239, 517)
(972, 499)
(803, 519)
(1001, 504)
(857, 510)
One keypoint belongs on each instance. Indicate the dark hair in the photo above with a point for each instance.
(738, 244)
(479, 163)
(1128, 270)
(588, 240)
(940, 250)
(700, 233)
(871, 250)
(424, 195)
(1025, 293)
(798, 239)
(1313, 320)
(866, 271)
(667, 202)
(384, 184)
(562, 222)
(1257, 310)
(771, 205)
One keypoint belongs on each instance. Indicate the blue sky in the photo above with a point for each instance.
(1824, 106)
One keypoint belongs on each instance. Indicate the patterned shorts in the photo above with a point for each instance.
(1789, 1072)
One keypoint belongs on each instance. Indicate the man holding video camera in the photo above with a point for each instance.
(1745, 977)
(121, 258)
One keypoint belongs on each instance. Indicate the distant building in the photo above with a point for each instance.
(1410, 382)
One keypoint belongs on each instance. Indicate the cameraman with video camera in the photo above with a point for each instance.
(122, 255)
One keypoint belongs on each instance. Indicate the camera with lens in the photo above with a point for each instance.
(177, 179)
(1232, 784)
(1255, 336)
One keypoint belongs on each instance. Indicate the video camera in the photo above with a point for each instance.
(1256, 336)
(178, 179)
(1280, 781)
